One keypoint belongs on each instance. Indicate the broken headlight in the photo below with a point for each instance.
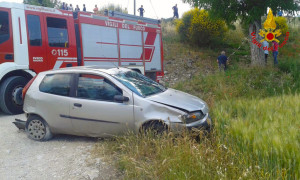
(192, 117)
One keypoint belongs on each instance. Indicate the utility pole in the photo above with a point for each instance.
(134, 7)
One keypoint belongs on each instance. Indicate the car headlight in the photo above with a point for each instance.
(192, 117)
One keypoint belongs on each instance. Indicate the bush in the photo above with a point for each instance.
(281, 23)
(197, 27)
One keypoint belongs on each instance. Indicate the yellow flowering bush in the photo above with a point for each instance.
(281, 23)
(197, 27)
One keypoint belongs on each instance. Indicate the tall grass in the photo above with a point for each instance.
(266, 131)
(257, 125)
(240, 83)
(253, 139)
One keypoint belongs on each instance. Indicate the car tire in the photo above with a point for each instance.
(11, 89)
(37, 129)
(156, 127)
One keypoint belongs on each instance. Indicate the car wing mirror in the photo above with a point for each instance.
(120, 98)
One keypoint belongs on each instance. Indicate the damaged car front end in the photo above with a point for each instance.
(173, 108)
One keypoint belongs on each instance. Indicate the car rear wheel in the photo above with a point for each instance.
(37, 129)
(11, 94)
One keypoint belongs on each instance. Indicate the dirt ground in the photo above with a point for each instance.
(63, 157)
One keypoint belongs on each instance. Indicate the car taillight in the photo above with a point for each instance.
(25, 89)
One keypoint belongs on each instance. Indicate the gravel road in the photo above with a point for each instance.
(63, 157)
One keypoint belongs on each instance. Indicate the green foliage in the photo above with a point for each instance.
(113, 7)
(266, 130)
(45, 3)
(249, 10)
(241, 83)
(257, 129)
(281, 23)
(253, 139)
(169, 32)
(197, 27)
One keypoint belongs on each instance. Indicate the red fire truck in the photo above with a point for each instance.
(35, 39)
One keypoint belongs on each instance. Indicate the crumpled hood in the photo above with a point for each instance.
(180, 100)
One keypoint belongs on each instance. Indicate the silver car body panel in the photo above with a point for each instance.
(102, 118)
(181, 100)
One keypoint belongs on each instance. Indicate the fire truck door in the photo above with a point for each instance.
(61, 42)
(36, 42)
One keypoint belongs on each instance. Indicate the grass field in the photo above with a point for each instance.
(256, 112)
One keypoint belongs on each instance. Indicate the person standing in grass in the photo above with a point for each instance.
(265, 48)
(222, 61)
(175, 11)
(275, 52)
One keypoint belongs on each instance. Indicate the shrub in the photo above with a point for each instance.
(197, 27)
(281, 23)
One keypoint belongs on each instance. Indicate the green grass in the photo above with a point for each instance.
(240, 83)
(266, 131)
(253, 139)
(255, 112)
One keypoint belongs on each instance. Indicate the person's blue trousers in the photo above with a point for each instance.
(275, 53)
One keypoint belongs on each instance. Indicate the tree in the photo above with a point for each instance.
(250, 12)
(45, 3)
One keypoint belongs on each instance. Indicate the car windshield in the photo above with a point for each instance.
(139, 84)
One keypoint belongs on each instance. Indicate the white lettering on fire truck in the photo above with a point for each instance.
(60, 52)
(111, 24)
(139, 28)
(125, 26)
(38, 59)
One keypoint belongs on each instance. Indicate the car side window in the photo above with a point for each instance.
(58, 84)
(96, 87)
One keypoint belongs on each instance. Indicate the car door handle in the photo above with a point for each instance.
(77, 105)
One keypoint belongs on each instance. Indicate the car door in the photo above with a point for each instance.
(93, 110)
(53, 101)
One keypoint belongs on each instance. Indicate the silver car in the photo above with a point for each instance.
(97, 102)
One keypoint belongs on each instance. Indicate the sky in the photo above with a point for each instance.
(160, 8)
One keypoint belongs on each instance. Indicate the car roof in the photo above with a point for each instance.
(104, 69)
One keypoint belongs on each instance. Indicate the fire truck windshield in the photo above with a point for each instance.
(4, 27)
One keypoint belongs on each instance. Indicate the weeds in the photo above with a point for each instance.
(256, 116)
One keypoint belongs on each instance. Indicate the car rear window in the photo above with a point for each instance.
(58, 84)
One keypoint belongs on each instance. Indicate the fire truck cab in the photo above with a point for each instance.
(35, 39)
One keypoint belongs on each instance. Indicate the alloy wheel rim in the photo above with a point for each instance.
(36, 129)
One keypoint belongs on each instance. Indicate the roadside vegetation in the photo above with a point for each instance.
(255, 112)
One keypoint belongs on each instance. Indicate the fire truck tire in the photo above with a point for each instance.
(9, 89)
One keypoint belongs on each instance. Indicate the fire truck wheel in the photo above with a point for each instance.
(11, 94)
